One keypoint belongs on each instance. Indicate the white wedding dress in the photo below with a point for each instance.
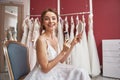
(94, 59)
(60, 33)
(30, 44)
(80, 58)
(59, 72)
(71, 59)
(66, 36)
(25, 31)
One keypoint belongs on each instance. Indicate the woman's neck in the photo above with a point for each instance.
(50, 35)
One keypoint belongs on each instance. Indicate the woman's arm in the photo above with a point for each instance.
(73, 43)
(41, 50)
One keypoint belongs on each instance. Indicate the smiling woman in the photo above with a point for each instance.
(49, 57)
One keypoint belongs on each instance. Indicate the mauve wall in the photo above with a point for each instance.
(106, 21)
(106, 16)
(37, 6)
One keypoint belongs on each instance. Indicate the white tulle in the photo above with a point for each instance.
(60, 34)
(32, 57)
(31, 33)
(71, 38)
(25, 31)
(95, 65)
(68, 60)
(36, 31)
(59, 72)
(81, 54)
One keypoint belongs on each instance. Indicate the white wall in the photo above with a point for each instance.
(26, 5)
(10, 21)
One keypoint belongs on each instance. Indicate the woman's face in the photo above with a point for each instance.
(50, 21)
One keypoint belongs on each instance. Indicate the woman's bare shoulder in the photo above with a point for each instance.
(41, 38)
(41, 42)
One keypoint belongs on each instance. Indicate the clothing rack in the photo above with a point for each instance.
(62, 14)
(74, 13)
(34, 15)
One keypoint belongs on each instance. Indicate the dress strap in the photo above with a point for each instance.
(47, 42)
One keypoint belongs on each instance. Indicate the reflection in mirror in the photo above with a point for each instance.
(10, 22)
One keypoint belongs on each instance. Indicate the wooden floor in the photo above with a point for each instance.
(5, 76)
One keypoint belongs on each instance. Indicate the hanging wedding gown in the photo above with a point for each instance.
(71, 38)
(60, 33)
(59, 72)
(72, 29)
(77, 56)
(81, 55)
(35, 35)
(30, 44)
(25, 31)
(67, 27)
(85, 46)
(95, 65)
(36, 31)
(68, 60)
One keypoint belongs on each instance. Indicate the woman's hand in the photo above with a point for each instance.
(66, 45)
(76, 39)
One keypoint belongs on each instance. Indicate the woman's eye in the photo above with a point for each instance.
(54, 18)
(46, 18)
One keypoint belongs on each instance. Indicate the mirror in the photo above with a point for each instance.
(10, 22)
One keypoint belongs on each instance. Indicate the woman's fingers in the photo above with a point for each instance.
(67, 45)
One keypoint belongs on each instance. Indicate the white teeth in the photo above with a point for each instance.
(51, 25)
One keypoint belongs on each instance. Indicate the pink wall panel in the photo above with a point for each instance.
(73, 6)
(106, 16)
(106, 21)
(37, 6)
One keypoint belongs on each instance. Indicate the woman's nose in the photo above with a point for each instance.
(51, 20)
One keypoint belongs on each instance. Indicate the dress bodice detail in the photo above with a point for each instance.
(51, 52)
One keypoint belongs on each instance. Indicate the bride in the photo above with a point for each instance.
(50, 59)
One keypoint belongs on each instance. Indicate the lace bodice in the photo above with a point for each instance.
(51, 52)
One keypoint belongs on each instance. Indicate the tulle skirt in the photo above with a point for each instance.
(59, 72)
